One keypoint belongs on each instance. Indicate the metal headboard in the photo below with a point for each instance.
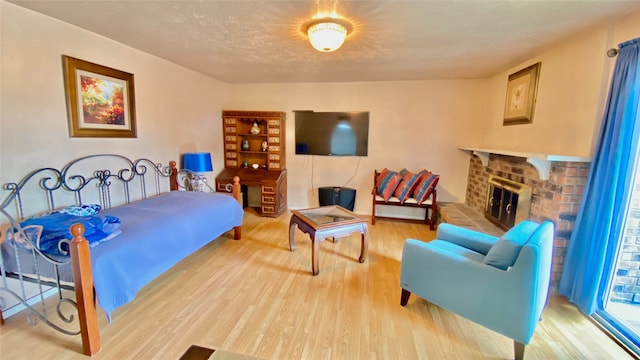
(93, 178)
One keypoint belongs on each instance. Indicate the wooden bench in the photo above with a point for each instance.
(429, 204)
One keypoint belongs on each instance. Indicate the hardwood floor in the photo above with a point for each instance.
(255, 297)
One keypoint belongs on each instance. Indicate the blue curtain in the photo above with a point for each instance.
(594, 243)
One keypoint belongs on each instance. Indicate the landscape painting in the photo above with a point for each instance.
(100, 100)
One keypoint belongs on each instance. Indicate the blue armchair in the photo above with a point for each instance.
(500, 283)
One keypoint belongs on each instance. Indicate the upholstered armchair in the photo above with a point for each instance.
(500, 283)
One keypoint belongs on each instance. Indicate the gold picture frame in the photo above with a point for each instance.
(522, 92)
(100, 100)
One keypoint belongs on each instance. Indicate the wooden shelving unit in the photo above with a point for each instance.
(261, 161)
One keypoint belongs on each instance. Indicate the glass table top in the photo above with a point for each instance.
(328, 215)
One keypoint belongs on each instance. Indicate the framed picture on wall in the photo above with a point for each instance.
(522, 90)
(100, 100)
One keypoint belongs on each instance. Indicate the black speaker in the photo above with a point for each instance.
(332, 195)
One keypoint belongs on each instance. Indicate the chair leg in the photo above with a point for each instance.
(373, 199)
(518, 349)
(430, 220)
(434, 208)
(426, 215)
(404, 298)
(373, 212)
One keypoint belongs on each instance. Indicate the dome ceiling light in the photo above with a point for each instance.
(327, 34)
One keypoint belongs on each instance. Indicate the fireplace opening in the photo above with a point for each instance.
(508, 202)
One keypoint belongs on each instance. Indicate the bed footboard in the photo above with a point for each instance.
(237, 194)
(83, 282)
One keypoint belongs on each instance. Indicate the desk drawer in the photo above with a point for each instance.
(268, 209)
(268, 199)
(221, 187)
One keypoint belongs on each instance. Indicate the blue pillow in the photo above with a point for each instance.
(80, 210)
(505, 251)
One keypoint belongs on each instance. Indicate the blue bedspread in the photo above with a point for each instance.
(157, 233)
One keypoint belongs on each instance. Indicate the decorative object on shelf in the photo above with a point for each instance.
(245, 164)
(264, 146)
(255, 128)
(88, 84)
(198, 163)
(245, 145)
(264, 166)
(522, 90)
(255, 166)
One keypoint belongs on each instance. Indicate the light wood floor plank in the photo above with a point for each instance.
(256, 297)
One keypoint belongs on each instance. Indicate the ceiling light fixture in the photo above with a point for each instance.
(327, 34)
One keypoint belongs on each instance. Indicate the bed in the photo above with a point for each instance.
(104, 226)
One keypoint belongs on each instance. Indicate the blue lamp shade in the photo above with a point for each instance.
(198, 162)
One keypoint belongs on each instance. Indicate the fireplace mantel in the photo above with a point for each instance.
(542, 162)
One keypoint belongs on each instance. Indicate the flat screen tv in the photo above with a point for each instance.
(332, 133)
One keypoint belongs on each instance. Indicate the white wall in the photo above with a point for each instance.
(413, 125)
(574, 82)
(421, 124)
(626, 28)
(177, 110)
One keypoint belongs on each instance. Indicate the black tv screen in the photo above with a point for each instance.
(332, 133)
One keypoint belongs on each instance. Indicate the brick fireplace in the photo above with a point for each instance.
(508, 202)
(556, 198)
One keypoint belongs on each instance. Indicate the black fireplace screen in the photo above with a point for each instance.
(508, 202)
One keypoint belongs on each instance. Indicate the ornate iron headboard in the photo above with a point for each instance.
(95, 178)
(77, 179)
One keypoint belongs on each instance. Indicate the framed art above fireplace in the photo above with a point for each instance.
(522, 90)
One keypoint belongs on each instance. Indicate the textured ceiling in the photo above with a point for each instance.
(262, 42)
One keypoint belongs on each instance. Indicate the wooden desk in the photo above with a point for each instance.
(272, 183)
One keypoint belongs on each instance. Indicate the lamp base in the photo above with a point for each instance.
(199, 183)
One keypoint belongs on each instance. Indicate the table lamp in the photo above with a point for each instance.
(198, 163)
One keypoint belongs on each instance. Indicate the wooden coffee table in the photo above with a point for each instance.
(327, 221)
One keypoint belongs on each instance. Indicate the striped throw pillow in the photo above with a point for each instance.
(387, 182)
(425, 187)
(421, 175)
(406, 186)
